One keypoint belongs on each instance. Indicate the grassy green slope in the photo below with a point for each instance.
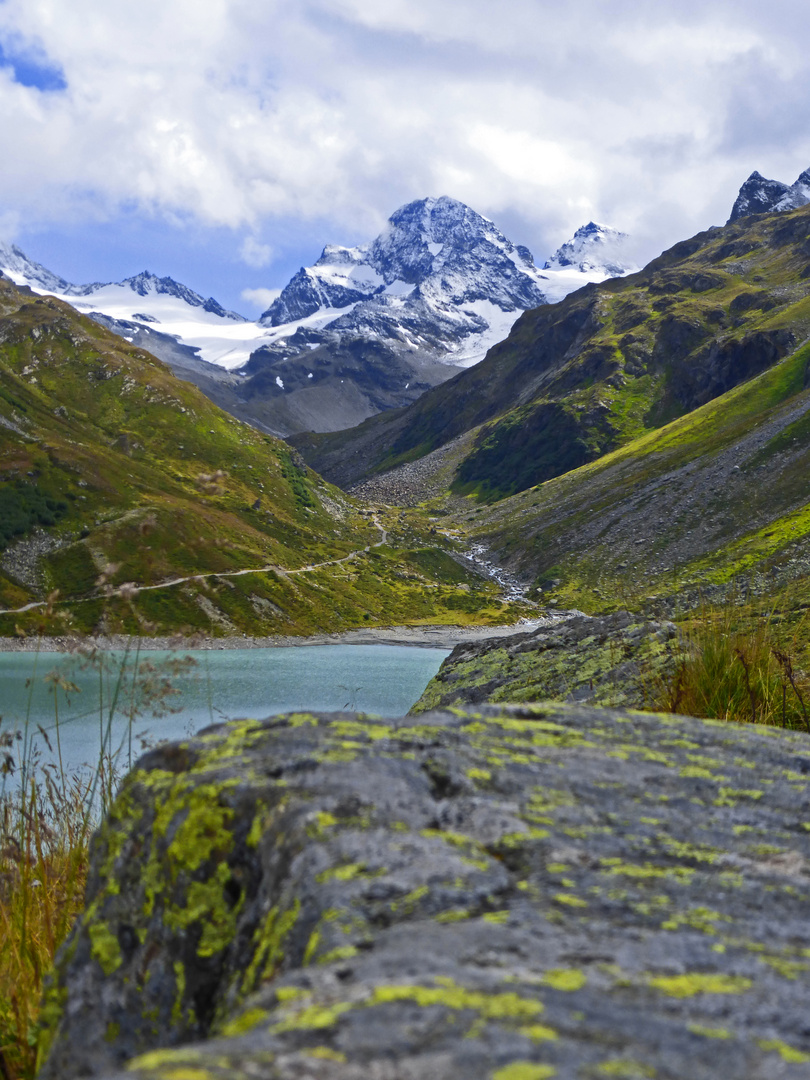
(577, 379)
(717, 496)
(113, 471)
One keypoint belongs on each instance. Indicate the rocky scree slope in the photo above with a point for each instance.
(518, 893)
(710, 506)
(115, 472)
(577, 379)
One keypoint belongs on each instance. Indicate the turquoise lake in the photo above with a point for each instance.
(215, 685)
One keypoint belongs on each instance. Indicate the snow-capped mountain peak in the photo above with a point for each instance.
(759, 195)
(147, 284)
(371, 327)
(362, 329)
(436, 250)
(594, 247)
(16, 265)
(184, 317)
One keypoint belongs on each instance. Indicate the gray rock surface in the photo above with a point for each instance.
(614, 660)
(514, 893)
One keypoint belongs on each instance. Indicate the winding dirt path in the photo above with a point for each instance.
(131, 589)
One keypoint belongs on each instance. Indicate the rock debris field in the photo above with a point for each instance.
(505, 893)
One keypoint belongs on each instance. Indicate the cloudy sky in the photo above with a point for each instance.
(224, 142)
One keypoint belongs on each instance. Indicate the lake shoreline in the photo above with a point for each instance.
(427, 637)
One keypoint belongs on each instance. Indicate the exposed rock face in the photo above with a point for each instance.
(511, 894)
(452, 254)
(761, 196)
(371, 328)
(613, 660)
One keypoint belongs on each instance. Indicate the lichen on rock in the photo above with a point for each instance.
(613, 660)
(546, 890)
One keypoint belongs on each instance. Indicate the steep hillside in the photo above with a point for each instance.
(151, 510)
(712, 505)
(577, 379)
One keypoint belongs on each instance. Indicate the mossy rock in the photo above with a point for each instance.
(617, 659)
(506, 893)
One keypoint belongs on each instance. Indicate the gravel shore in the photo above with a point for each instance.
(436, 637)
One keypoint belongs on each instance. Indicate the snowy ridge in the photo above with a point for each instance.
(761, 196)
(440, 280)
(220, 336)
(16, 265)
(363, 329)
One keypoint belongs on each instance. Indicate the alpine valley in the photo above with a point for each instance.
(545, 873)
(146, 509)
(610, 450)
(639, 443)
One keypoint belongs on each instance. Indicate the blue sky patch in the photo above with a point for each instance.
(32, 68)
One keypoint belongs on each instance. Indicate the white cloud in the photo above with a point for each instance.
(529, 160)
(260, 299)
(254, 253)
(256, 113)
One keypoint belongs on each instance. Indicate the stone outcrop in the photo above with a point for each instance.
(759, 195)
(514, 893)
(616, 660)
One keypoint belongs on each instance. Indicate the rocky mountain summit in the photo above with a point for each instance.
(514, 893)
(593, 248)
(369, 328)
(761, 196)
(437, 250)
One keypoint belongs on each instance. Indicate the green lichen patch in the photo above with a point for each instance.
(685, 986)
(311, 1018)
(269, 945)
(710, 1032)
(104, 947)
(625, 1069)
(566, 979)
(785, 1052)
(524, 1070)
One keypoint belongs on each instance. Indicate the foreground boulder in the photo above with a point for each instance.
(615, 660)
(514, 893)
